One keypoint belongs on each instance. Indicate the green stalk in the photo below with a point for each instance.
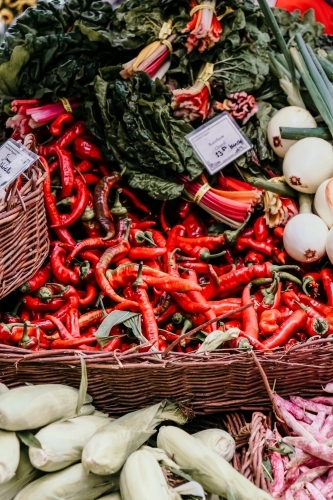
(295, 134)
(327, 66)
(317, 78)
(272, 23)
(312, 88)
(319, 68)
(281, 189)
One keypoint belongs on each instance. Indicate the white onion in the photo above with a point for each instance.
(305, 238)
(291, 116)
(323, 202)
(329, 246)
(308, 163)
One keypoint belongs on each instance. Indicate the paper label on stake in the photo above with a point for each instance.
(14, 159)
(219, 142)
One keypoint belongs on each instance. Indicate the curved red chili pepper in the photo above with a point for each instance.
(260, 229)
(76, 130)
(82, 198)
(134, 199)
(146, 308)
(86, 150)
(249, 315)
(37, 281)
(56, 127)
(66, 171)
(291, 326)
(91, 294)
(101, 194)
(141, 253)
(35, 304)
(60, 271)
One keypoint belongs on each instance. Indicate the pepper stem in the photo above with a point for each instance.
(16, 308)
(118, 210)
(25, 339)
(63, 289)
(290, 277)
(187, 326)
(149, 238)
(276, 269)
(172, 257)
(302, 306)
(206, 256)
(128, 228)
(307, 281)
(231, 236)
(139, 279)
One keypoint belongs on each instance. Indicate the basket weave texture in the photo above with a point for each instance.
(24, 242)
(221, 381)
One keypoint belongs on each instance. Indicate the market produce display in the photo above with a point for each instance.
(81, 453)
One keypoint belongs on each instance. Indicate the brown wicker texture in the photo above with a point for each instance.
(24, 242)
(222, 381)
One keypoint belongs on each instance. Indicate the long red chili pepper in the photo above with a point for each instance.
(79, 205)
(37, 281)
(200, 299)
(72, 343)
(101, 208)
(327, 281)
(260, 229)
(258, 246)
(91, 294)
(147, 311)
(86, 150)
(323, 309)
(291, 326)
(90, 243)
(73, 315)
(51, 208)
(164, 224)
(76, 130)
(194, 226)
(210, 242)
(35, 304)
(249, 315)
(60, 271)
(62, 330)
(134, 199)
(56, 127)
(140, 253)
(66, 171)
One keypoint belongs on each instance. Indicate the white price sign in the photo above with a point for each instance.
(219, 142)
(14, 159)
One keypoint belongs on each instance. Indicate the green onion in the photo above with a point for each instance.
(295, 134)
(312, 88)
(327, 65)
(281, 189)
(272, 23)
(319, 68)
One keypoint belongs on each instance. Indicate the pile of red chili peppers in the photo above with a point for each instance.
(103, 258)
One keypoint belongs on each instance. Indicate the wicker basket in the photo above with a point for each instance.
(24, 242)
(223, 381)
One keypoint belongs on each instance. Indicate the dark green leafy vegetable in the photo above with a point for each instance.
(145, 139)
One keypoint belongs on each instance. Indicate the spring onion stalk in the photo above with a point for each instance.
(319, 68)
(327, 66)
(286, 84)
(280, 189)
(301, 133)
(312, 88)
(272, 23)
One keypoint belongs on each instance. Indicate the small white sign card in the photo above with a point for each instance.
(219, 142)
(14, 159)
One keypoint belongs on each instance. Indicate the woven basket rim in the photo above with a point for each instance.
(302, 356)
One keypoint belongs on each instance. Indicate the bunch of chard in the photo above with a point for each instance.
(302, 463)
(205, 28)
(30, 114)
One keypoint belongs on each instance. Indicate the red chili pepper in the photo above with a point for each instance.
(113, 345)
(66, 171)
(92, 228)
(144, 226)
(60, 271)
(51, 208)
(56, 127)
(5, 333)
(222, 307)
(54, 167)
(35, 304)
(258, 246)
(301, 337)
(62, 330)
(278, 231)
(327, 281)
(73, 315)
(183, 210)
(210, 242)
(315, 324)
(134, 199)
(84, 167)
(91, 294)
(93, 317)
(244, 275)
(38, 280)
(171, 310)
(86, 150)
(200, 299)
(164, 224)
(254, 258)
(158, 238)
(72, 343)
(311, 281)
(260, 229)
(256, 344)
(101, 194)
(91, 257)
(212, 288)
(233, 324)
(321, 308)
(67, 202)
(269, 322)
(76, 130)
(139, 253)
(146, 308)
(193, 226)
(249, 315)
(78, 207)
(291, 326)
(285, 312)
(91, 179)
(293, 341)
(90, 243)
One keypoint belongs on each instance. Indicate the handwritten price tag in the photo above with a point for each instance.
(14, 159)
(219, 142)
